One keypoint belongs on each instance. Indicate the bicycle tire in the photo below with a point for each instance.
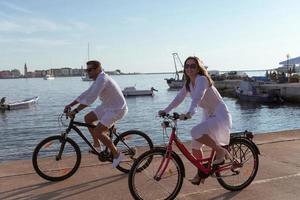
(238, 148)
(138, 142)
(51, 145)
(164, 188)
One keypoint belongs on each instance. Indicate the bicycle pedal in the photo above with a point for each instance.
(105, 156)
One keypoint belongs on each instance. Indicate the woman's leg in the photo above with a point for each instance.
(201, 133)
(197, 149)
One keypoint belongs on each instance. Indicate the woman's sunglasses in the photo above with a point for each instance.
(191, 66)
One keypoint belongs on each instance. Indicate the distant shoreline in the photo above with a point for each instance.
(137, 73)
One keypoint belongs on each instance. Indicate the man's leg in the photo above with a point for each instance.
(100, 131)
(90, 118)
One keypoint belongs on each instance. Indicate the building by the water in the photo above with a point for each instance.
(290, 65)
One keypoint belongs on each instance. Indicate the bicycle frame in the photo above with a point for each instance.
(185, 152)
(197, 163)
(72, 125)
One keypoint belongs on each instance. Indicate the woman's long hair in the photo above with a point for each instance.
(201, 70)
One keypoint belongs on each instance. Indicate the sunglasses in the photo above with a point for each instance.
(191, 66)
(90, 69)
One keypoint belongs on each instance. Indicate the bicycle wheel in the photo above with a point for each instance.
(243, 170)
(132, 144)
(47, 163)
(144, 185)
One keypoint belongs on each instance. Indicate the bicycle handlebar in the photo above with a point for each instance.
(175, 116)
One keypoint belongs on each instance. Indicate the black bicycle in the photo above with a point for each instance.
(58, 157)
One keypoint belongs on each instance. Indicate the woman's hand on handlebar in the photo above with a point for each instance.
(161, 113)
(185, 116)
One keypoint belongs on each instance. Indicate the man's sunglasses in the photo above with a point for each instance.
(90, 69)
(191, 66)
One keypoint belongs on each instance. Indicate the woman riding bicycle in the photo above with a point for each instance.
(214, 129)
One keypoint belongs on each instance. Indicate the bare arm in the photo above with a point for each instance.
(177, 100)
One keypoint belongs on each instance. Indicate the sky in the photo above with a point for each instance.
(141, 35)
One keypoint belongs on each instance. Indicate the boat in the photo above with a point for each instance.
(49, 77)
(86, 78)
(18, 104)
(132, 91)
(176, 83)
(250, 91)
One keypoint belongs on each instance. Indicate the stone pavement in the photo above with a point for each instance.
(278, 177)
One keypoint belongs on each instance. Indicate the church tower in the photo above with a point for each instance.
(25, 70)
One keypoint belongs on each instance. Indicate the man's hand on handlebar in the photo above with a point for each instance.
(67, 109)
(72, 114)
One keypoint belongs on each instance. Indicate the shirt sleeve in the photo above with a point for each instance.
(201, 86)
(177, 100)
(91, 94)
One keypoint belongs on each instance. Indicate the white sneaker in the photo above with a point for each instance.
(116, 161)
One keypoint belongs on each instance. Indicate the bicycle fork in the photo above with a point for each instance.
(62, 146)
(163, 165)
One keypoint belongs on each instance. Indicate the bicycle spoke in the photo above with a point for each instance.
(244, 166)
(145, 186)
(47, 164)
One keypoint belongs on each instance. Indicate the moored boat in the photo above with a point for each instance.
(176, 83)
(248, 91)
(49, 77)
(132, 91)
(18, 104)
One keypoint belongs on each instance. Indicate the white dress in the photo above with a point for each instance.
(216, 121)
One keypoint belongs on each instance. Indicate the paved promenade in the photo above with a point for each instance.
(278, 177)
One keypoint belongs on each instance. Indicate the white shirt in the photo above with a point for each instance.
(107, 90)
(202, 95)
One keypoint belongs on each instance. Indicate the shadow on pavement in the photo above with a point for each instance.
(30, 192)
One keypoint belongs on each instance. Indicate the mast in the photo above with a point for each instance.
(88, 52)
(175, 56)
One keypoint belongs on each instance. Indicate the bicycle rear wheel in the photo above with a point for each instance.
(144, 184)
(132, 144)
(243, 170)
(56, 158)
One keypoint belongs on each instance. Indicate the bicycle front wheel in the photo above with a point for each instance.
(132, 144)
(56, 158)
(244, 167)
(145, 184)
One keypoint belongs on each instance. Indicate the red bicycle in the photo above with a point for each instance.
(159, 172)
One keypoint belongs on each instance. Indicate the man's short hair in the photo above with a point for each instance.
(94, 63)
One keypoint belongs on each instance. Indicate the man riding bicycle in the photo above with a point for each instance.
(112, 109)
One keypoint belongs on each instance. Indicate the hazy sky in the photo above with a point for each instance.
(141, 35)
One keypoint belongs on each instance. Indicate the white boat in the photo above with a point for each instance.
(49, 77)
(86, 78)
(18, 104)
(176, 83)
(132, 91)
